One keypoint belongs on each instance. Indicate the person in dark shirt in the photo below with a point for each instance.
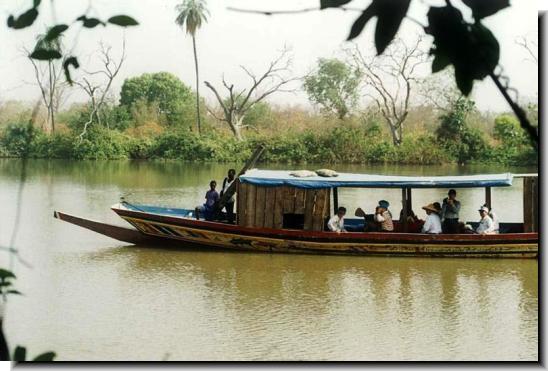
(208, 208)
(229, 205)
(450, 213)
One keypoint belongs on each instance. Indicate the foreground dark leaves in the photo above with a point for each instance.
(54, 33)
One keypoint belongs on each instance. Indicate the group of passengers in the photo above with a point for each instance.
(442, 218)
(210, 208)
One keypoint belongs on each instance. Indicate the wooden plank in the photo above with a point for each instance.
(335, 200)
(270, 201)
(289, 200)
(309, 209)
(250, 205)
(488, 197)
(242, 203)
(535, 203)
(260, 207)
(327, 209)
(300, 195)
(409, 201)
(530, 204)
(527, 205)
(405, 213)
(318, 211)
(279, 207)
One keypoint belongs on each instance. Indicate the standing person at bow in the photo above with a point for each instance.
(229, 205)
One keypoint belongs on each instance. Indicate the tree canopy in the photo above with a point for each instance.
(334, 86)
(191, 13)
(166, 90)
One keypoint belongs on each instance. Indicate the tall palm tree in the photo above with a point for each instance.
(193, 13)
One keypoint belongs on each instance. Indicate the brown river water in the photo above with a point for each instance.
(88, 297)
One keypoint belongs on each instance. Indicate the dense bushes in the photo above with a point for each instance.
(290, 136)
(18, 139)
(338, 145)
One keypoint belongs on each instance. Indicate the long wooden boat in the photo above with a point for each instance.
(269, 203)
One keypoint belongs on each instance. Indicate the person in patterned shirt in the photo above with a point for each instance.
(383, 217)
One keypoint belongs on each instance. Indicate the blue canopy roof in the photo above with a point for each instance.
(274, 178)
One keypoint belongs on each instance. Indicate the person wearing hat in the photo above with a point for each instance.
(383, 217)
(432, 224)
(486, 225)
(450, 213)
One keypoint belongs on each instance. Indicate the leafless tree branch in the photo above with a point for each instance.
(98, 91)
(389, 80)
(238, 103)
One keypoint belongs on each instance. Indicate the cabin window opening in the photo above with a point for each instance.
(293, 221)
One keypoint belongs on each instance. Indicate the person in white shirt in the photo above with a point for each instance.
(432, 224)
(336, 223)
(494, 217)
(486, 225)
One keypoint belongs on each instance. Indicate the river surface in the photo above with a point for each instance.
(88, 297)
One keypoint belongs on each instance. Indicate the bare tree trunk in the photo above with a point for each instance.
(237, 128)
(197, 86)
(396, 137)
(51, 96)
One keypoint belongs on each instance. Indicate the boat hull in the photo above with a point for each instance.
(189, 232)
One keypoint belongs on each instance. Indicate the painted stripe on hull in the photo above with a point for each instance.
(254, 243)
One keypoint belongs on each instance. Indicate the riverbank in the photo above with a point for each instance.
(332, 146)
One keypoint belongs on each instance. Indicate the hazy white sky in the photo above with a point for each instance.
(231, 39)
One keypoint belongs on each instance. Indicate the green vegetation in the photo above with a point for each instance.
(334, 86)
(164, 91)
(462, 135)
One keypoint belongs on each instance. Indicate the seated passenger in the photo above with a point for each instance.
(383, 217)
(336, 223)
(208, 208)
(494, 217)
(432, 223)
(411, 216)
(486, 225)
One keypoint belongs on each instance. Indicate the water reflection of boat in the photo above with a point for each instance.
(277, 212)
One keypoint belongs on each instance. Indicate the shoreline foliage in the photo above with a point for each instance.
(290, 136)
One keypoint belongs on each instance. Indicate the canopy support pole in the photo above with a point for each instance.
(335, 200)
(404, 197)
(488, 197)
(530, 204)
(409, 202)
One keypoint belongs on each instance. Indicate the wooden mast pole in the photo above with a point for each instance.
(232, 189)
